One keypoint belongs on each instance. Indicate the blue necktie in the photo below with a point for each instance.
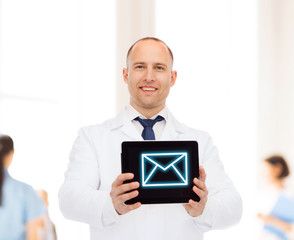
(148, 133)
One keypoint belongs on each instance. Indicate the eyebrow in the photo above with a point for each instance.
(136, 63)
(160, 64)
(156, 64)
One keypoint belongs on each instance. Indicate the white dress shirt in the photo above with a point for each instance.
(158, 126)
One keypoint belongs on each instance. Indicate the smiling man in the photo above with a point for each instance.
(95, 192)
(149, 76)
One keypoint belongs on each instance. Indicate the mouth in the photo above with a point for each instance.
(148, 89)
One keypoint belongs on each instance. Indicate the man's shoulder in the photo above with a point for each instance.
(107, 125)
(187, 130)
(195, 132)
(94, 128)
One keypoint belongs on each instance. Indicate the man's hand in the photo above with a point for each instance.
(121, 192)
(195, 209)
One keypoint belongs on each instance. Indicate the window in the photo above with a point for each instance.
(57, 61)
(215, 48)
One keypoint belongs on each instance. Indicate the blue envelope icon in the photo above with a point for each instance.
(168, 169)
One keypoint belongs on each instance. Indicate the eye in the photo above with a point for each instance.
(139, 66)
(160, 68)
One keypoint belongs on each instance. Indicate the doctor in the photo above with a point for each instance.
(93, 191)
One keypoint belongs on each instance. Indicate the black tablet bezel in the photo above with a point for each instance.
(130, 162)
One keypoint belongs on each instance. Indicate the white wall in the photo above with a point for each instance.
(134, 20)
(215, 48)
(276, 79)
(57, 74)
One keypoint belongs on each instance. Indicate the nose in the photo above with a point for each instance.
(149, 75)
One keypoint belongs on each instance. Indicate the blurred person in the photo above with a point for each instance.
(94, 190)
(46, 230)
(20, 208)
(279, 223)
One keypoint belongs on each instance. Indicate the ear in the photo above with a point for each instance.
(173, 78)
(125, 75)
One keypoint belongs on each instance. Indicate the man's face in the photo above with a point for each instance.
(149, 75)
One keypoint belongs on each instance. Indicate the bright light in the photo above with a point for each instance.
(215, 48)
(57, 74)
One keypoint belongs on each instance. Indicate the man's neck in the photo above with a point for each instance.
(148, 113)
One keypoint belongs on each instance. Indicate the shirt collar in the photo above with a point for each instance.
(132, 113)
(6, 173)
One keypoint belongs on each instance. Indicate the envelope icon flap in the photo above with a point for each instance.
(163, 161)
(164, 169)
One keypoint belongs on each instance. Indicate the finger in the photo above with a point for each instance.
(127, 187)
(202, 174)
(121, 178)
(131, 207)
(200, 184)
(193, 204)
(187, 206)
(119, 202)
(201, 194)
(121, 189)
(122, 209)
(127, 196)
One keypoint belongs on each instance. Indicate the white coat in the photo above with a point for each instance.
(95, 163)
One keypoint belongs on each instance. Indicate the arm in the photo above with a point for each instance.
(34, 212)
(32, 228)
(223, 207)
(80, 196)
(284, 226)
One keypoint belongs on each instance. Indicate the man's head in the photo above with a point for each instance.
(149, 75)
(149, 38)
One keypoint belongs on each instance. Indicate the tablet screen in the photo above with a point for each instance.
(164, 169)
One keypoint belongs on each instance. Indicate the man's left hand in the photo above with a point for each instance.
(194, 208)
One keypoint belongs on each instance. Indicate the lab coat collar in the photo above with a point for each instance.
(173, 128)
(171, 131)
(121, 122)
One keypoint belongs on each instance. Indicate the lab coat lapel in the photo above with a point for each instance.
(129, 130)
(124, 125)
(173, 128)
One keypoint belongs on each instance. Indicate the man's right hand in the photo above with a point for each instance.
(121, 192)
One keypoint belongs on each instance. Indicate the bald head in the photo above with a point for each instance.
(150, 39)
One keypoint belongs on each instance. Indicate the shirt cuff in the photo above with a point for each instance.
(205, 220)
(109, 214)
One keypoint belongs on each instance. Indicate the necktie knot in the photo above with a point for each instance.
(148, 133)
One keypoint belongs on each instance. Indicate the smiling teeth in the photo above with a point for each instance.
(148, 89)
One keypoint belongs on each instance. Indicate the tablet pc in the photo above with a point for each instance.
(164, 169)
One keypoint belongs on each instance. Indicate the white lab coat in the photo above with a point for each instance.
(95, 163)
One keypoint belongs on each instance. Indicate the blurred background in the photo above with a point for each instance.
(61, 68)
